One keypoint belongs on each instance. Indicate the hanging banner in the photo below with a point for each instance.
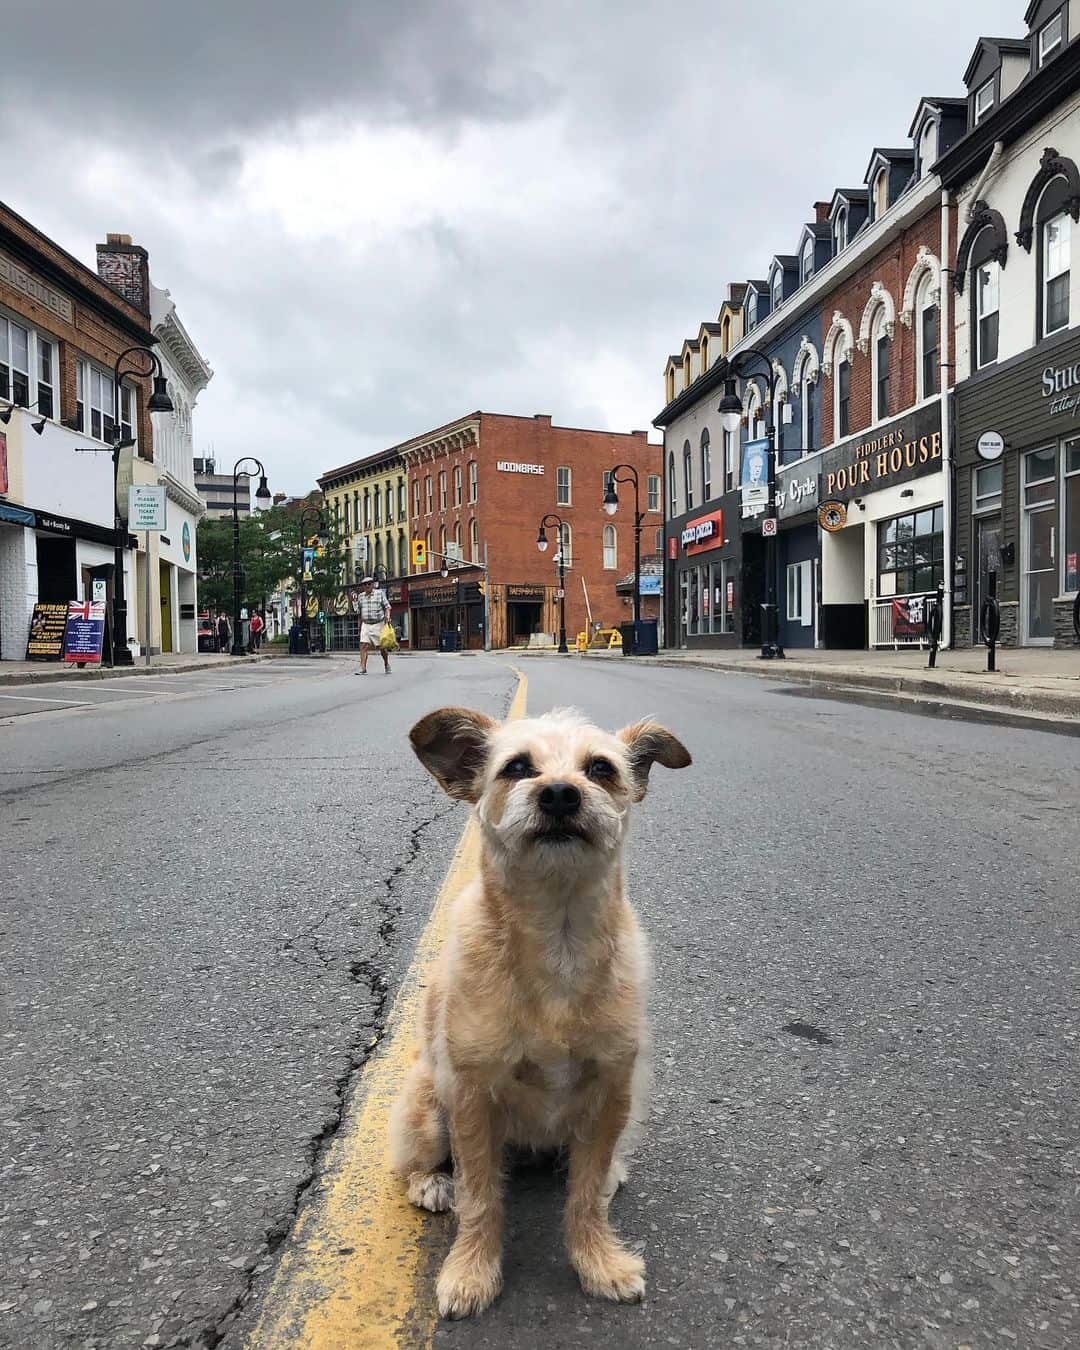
(755, 477)
(84, 634)
(125, 472)
(46, 640)
(908, 616)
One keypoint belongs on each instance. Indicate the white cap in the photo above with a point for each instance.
(366, 580)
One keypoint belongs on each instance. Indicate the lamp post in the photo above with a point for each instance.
(611, 505)
(730, 409)
(315, 513)
(262, 495)
(541, 543)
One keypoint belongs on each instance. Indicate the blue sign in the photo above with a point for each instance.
(652, 585)
(755, 477)
(85, 631)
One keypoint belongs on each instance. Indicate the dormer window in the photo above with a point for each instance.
(984, 100)
(806, 261)
(777, 288)
(927, 147)
(751, 311)
(881, 193)
(1050, 37)
(840, 235)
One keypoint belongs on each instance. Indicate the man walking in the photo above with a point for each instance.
(374, 613)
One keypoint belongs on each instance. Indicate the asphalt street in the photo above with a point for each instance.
(865, 932)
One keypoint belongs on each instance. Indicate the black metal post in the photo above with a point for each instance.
(552, 519)
(317, 514)
(770, 631)
(238, 645)
(990, 619)
(631, 476)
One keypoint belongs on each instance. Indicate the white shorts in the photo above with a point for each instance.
(371, 633)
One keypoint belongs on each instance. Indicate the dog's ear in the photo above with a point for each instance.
(452, 744)
(649, 743)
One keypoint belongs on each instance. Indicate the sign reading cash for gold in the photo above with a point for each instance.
(896, 452)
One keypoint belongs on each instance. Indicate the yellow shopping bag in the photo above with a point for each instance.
(388, 638)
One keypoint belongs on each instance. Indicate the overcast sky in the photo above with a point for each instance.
(376, 217)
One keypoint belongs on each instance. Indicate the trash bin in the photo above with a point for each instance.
(647, 637)
(626, 632)
(298, 644)
(449, 641)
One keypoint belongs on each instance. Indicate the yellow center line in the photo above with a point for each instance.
(357, 1271)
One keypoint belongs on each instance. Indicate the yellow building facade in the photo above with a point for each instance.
(367, 506)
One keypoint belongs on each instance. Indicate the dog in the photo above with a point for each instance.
(533, 1029)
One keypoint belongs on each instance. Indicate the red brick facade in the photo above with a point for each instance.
(891, 267)
(509, 505)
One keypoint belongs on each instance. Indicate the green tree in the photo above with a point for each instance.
(265, 560)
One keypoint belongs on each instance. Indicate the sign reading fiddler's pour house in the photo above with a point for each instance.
(895, 452)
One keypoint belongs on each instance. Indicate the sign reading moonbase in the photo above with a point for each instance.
(84, 634)
(901, 450)
(508, 466)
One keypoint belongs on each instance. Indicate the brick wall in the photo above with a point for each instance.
(509, 506)
(100, 324)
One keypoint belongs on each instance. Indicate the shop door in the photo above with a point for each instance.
(56, 570)
(987, 560)
(1038, 582)
(165, 578)
(523, 620)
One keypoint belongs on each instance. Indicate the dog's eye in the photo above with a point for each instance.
(519, 767)
(600, 769)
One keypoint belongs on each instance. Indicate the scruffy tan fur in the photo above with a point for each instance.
(533, 1028)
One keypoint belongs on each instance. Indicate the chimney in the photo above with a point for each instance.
(821, 212)
(125, 267)
(543, 418)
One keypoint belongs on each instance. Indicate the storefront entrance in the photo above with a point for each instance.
(55, 570)
(523, 618)
(988, 559)
(165, 578)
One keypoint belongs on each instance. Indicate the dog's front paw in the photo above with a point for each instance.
(433, 1191)
(467, 1284)
(611, 1272)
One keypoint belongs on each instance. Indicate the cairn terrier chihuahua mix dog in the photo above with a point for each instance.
(533, 1029)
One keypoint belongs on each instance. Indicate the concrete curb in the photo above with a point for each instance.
(50, 676)
(961, 688)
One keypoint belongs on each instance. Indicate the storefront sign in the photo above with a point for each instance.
(84, 633)
(46, 640)
(19, 279)
(508, 466)
(1057, 381)
(795, 492)
(991, 445)
(755, 477)
(185, 541)
(832, 516)
(435, 595)
(146, 507)
(77, 529)
(99, 588)
(904, 449)
(908, 616)
(529, 593)
(704, 533)
(125, 476)
(651, 585)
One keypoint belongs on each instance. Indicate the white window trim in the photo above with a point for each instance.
(980, 364)
(611, 549)
(981, 109)
(808, 247)
(803, 613)
(1066, 542)
(659, 481)
(33, 361)
(566, 537)
(688, 475)
(1047, 278)
(880, 327)
(564, 468)
(1045, 52)
(926, 298)
(843, 360)
(840, 230)
(705, 453)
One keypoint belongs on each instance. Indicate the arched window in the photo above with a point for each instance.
(416, 497)
(1054, 224)
(376, 497)
(567, 547)
(458, 540)
(927, 148)
(985, 299)
(881, 363)
(810, 429)
(474, 540)
(751, 310)
(725, 335)
(402, 556)
(706, 467)
(378, 552)
(777, 288)
(705, 353)
(442, 489)
(427, 540)
(927, 337)
(840, 238)
(457, 486)
(442, 544)
(610, 552)
(688, 476)
(755, 427)
(427, 492)
(473, 481)
(389, 503)
(673, 499)
(806, 263)
(367, 508)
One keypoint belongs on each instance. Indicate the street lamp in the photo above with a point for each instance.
(541, 543)
(321, 540)
(730, 410)
(262, 495)
(611, 505)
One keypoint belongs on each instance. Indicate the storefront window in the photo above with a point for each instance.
(1040, 470)
(986, 490)
(911, 553)
(1072, 515)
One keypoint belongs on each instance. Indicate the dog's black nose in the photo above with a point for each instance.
(559, 799)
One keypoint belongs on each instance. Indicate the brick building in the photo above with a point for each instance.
(61, 330)
(480, 486)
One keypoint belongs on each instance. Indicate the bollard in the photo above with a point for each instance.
(932, 624)
(990, 621)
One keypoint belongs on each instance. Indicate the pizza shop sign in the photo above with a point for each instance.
(703, 533)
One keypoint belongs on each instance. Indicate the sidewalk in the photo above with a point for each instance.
(1032, 681)
(169, 663)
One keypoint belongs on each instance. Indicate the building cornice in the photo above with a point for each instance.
(182, 495)
(185, 356)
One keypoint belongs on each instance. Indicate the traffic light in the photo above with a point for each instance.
(419, 553)
(483, 588)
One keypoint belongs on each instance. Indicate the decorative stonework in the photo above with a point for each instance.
(19, 279)
(839, 343)
(879, 299)
(925, 262)
(780, 381)
(807, 365)
(1051, 166)
(983, 217)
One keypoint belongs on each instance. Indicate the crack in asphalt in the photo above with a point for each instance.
(368, 973)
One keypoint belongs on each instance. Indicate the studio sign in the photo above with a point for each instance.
(905, 450)
(1057, 381)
